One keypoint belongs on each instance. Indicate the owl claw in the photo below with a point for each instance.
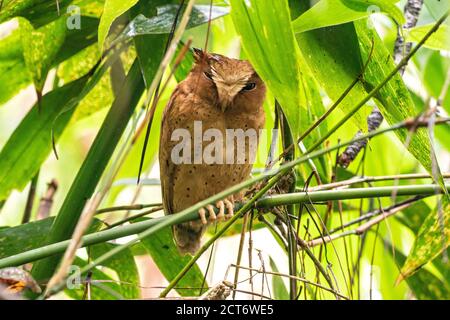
(230, 209)
(202, 214)
(221, 214)
(212, 214)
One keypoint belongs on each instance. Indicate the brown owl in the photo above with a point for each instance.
(209, 137)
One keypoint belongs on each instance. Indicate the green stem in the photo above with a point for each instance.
(229, 223)
(268, 202)
(191, 213)
(347, 194)
(128, 207)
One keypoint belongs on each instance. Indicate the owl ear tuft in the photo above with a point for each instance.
(199, 55)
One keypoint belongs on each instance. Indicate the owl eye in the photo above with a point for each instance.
(249, 86)
(208, 75)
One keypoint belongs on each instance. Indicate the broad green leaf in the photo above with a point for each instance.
(77, 40)
(185, 66)
(432, 239)
(14, 75)
(40, 47)
(112, 10)
(414, 215)
(12, 8)
(101, 95)
(164, 253)
(274, 53)
(159, 22)
(424, 284)
(103, 287)
(437, 8)
(42, 12)
(32, 235)
(30, 144)
(337, 66)
(334, 12)
(149, 47)
(393, 100)
(95, 163)
(280, 291)
(124, 265)
(439, 40)
(163, 21)
(434, 74)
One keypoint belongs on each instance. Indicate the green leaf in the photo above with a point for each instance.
(42, 12)
(30, 144)
(274, 53)
(101, 95)
(106, 287)
(280, 291)
(112, 10)
(14, 75)
(149, 47)
(95, 163)
(440, 40)
(334, 12)
(414, 215)
(40, 47)
(124, 265)
(436, 8)
(31, 235)
(434, 74)
(394, 100)
(164, 253)
(337, 66)
(432, 239)
(163, 21)
(424, 284)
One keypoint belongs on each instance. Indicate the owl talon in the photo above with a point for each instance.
(212, 214)
(221, 206)
(202, 214)
(230, 209)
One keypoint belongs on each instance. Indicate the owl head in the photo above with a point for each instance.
(231, 83)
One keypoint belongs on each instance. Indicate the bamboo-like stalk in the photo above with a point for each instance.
(276, 200)
(191, 213)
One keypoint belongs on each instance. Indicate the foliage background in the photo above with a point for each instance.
(35, 60)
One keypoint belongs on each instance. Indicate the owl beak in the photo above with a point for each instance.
(226, 97)
(224, 104)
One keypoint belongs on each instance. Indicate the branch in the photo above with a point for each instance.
(269, 202)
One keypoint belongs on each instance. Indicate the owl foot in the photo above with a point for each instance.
(230, 209)
(212, 214)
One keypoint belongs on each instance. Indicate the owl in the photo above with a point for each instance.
(218, 106)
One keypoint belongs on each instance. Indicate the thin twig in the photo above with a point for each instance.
(30, 199)
(46, 202)
(241, 248)
(292, 277)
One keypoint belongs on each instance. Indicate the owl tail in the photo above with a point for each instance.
(188, 236)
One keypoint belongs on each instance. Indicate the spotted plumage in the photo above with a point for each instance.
(219, 93)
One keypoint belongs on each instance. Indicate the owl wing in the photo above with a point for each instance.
(167, 167)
